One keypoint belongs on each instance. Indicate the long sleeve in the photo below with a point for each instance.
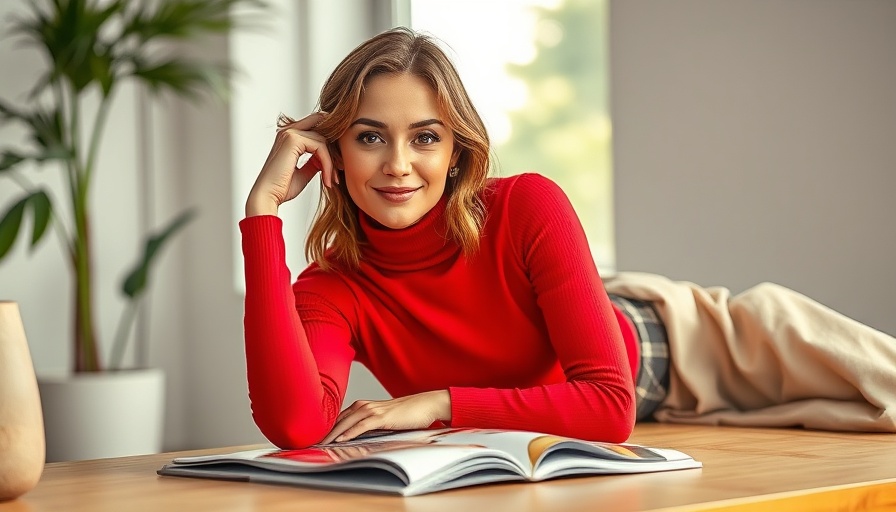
(597, 399)
(297, 371)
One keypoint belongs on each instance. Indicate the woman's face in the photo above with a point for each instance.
(397, 151)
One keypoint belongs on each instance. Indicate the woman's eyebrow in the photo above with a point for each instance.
(420, 124)
(379, 124)
(369, 122)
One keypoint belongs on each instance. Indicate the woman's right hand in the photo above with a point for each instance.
(279, 180)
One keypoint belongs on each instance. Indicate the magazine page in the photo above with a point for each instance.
(514, 443)
(382, 479)
(235, 456)
(555, 456)
(418, 461)
(419, 453)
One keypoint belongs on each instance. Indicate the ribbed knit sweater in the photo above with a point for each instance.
(521, 334)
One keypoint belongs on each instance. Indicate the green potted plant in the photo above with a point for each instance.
(92, 47)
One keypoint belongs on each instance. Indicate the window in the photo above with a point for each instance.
(537, 72)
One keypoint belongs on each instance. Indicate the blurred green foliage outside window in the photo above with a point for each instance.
(537, 73)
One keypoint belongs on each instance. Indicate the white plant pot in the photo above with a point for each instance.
(105, 414)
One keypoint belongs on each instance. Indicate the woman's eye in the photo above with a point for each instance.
(369, 138)
(427, 138)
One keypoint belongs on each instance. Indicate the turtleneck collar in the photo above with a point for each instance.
(419, 246)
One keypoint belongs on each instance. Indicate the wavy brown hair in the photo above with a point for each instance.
(335, 232)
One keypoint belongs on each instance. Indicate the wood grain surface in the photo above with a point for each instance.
(744, 469)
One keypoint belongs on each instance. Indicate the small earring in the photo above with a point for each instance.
(452, 172)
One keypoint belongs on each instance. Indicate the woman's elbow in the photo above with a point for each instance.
(615, 424)
(291, 435)
(623, 424)
(620, 431)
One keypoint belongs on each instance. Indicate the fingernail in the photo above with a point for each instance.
(340, 439)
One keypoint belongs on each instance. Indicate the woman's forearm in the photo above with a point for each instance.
(293, 404)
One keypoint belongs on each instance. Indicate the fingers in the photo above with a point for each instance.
(408, 412)
(365, 425)
(314, 144)
(366, 416)
(348, 422)
(297, 155)
(306, 123)
(323, 159)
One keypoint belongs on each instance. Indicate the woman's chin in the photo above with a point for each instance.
(399, 224)
(396, 221)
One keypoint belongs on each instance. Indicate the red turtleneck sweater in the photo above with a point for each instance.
(522, 334)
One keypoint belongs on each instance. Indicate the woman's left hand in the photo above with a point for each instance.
(408, 412)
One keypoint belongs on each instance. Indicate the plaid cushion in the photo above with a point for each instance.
(652, 383)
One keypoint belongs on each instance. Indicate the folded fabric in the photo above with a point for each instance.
(767, 357)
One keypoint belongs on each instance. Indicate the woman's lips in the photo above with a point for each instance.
(397, 194)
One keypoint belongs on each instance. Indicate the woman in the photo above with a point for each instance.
(474, 301)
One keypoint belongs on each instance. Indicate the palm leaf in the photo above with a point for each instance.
(135, 282)
(183, 76)
(41, 209)
(8, 113)
(9, 226)
(46, 132)
(183, 19)
(41, 84)
(10, 159)
(70, 32)
(46, 129)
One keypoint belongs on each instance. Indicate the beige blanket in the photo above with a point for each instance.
(768, 357)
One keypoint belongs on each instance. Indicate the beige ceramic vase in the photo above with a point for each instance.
(21, 421)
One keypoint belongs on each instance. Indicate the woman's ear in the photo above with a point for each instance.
(455, 156)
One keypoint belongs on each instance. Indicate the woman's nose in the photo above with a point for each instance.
(398, 163)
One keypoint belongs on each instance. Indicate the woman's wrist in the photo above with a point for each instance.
(256, 206)
(443, 399)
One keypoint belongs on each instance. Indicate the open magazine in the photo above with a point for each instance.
(416, 462)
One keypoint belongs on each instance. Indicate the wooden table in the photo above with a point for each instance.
(744, 469)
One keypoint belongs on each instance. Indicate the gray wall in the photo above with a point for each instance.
(755, 140)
